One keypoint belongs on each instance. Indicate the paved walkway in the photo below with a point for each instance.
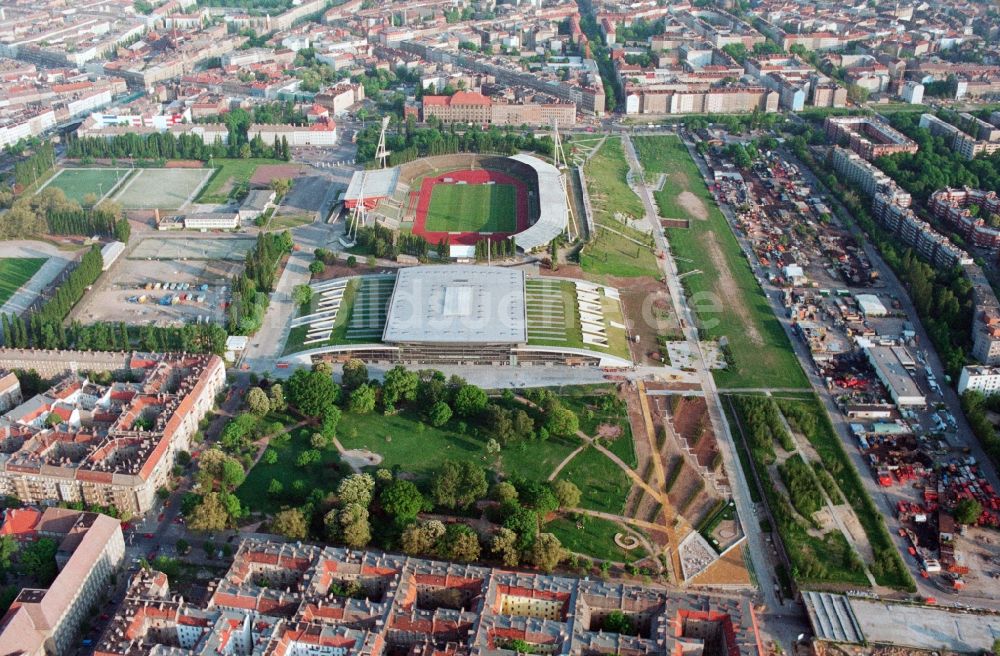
(757, 548)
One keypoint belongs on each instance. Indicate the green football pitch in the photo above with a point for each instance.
(77, 183)
(14, 272)
(472, 208)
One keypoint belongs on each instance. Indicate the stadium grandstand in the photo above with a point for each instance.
(462, 315)
(552, 205)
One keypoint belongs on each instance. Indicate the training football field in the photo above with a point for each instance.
(472, 208)
(77, 183)
(14, 272)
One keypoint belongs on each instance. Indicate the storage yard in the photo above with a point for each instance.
(167, 291)
(874, 367)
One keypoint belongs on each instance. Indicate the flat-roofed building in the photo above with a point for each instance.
(894, 372)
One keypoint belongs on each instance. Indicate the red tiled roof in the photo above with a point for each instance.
(20, 522)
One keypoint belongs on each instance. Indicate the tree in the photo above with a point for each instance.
(439, 414)
(312, 392)
(316, 267)
(505, 492)
(560, 421)
(280, 187)
(522, 521)
(270, 456)
(459, 484)
(504, 546)
(968, 511)
(399, 385)
(362, 400)
(547, 552)
(38, 560)
(308, 457)
(275, 488)
(567, 494)
(356, 488)
(232, 474)
(257, 402)
(459, 543)
(277, 398)
(8, 547)
(421, 538)
(349, 525)
(319, 441)
(290, 523)
(354, 375)
(302, 294)
(469, 401)
(402, 500)
(618, 622)
(209, 515)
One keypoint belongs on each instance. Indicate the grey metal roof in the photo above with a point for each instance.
(552, 203)
(378, 183)
(457, 304)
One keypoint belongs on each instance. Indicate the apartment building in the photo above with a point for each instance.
(107, 445)
(979, 378)
(955, 206)
(10, 390)
(322, 132)
(966, 145)
(868, 137)
(284, 599)
(471, 107)
(42, 622)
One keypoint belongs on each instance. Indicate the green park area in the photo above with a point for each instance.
(14, 272)
(423, 443)
(553, 316)
(717, 278)
(616, 249)
(791, 486)
(230, 174)
(472, 208)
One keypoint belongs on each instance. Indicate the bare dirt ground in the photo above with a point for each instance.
(729, 291)
(267, 172)
(690, 420)
(686, 488)
(693, 205)
(609, 432)
(648, 314)
(639, 503)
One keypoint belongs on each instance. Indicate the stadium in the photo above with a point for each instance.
(466, 198)
(461, 315)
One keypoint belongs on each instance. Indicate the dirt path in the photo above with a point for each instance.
(565, 461)
(729, 291)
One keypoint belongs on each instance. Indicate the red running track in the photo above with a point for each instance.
(475, 176)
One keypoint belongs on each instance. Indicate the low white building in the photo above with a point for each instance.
(871, 306)
(110, 252)
(980, 379)
(212, 221)
(912, 92)
(892, 366)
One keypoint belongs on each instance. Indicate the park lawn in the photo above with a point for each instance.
(279, 222)
(603, 484)
(405, 442)
(733, 306)
(608, 253)
(591, 416)
(535, 460)
(14, 272)
(77, 183)
(593, 537)
(227, 173)
(323, 475)
(472, 208)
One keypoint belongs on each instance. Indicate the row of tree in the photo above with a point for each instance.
(412, 142)
(380, 241)
(252, 287)
(105, 220)
(35, 166)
